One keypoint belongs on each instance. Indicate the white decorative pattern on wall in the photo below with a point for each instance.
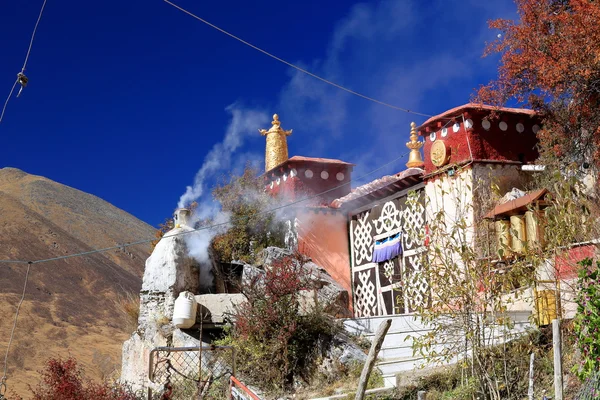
(416, 288)
(397, 285)
(291, 234)
(388, 269)
(363, 241)
(413, 224)
(365, 294)
(389, 218)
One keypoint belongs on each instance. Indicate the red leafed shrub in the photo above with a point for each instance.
(63, 379)
(275, 336)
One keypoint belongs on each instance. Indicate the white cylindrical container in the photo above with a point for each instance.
(184, 314)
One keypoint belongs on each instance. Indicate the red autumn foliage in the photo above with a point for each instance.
(65, 380)
(275, 333)
(550, 61)
(272, 307)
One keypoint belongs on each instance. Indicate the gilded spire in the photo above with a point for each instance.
(276, 151)
(414, 158)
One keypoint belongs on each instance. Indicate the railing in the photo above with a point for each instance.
(239, 391)
(183, 373)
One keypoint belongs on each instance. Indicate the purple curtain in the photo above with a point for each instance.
(387, 248)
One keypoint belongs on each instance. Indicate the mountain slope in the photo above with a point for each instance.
(71, 305)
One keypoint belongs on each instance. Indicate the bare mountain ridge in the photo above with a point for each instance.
(71, 305)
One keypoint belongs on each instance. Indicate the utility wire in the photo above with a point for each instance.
(122, 246)
(30, 263)
(12, 332)
(21, 74)
(8, 98)
(33, 36)
(294, 66)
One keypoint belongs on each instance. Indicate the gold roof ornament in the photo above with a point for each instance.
(439, 154)
(277, 150)
(414, 158)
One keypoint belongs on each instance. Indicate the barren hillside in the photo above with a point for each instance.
(71, 305)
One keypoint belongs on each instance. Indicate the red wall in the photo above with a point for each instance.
(323, 236)
(567, 263)
(492, 144)
(299, 186)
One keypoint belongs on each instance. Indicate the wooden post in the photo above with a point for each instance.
(558, 384)
(371, 358)
(530, 391)
(421, 395)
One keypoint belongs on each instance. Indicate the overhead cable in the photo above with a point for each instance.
(12, 332)
(289, 64)
(271, 210)
(21, 77)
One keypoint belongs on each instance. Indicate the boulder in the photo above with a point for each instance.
(330, 295)
(339, 352)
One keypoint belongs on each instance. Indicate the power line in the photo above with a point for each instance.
(217, 225)
(33, 36)
(30, 263)
(12, 332)
(8, 98)
(294, 66)
(21, 78)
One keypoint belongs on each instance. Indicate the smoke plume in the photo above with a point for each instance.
(244, 122)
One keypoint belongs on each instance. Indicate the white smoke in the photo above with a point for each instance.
(244, 122)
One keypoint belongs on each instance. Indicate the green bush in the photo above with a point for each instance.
(587, 320)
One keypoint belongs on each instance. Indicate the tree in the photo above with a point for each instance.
(469, 311)
(251, 226)
(550, 61)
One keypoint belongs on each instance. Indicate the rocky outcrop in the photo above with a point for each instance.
(339, 351)
(170, 271)
(330, 295)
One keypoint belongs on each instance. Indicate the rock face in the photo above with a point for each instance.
(214, 308)
(169, 271)
(339, 351)
(330, 295)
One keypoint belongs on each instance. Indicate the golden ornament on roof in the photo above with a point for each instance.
(414, 158)
(277, 150)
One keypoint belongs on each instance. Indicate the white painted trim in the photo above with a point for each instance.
(418, 250)
(388, 234)
(394, 196)
(364, 267)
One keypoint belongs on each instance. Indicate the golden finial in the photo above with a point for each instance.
(414, 158)
(277, 151)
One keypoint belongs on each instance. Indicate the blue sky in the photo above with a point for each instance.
(127, 98)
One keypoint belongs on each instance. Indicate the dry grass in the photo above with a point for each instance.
(129, 305)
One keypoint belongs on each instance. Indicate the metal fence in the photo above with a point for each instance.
(184, 373)
(590, 389)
